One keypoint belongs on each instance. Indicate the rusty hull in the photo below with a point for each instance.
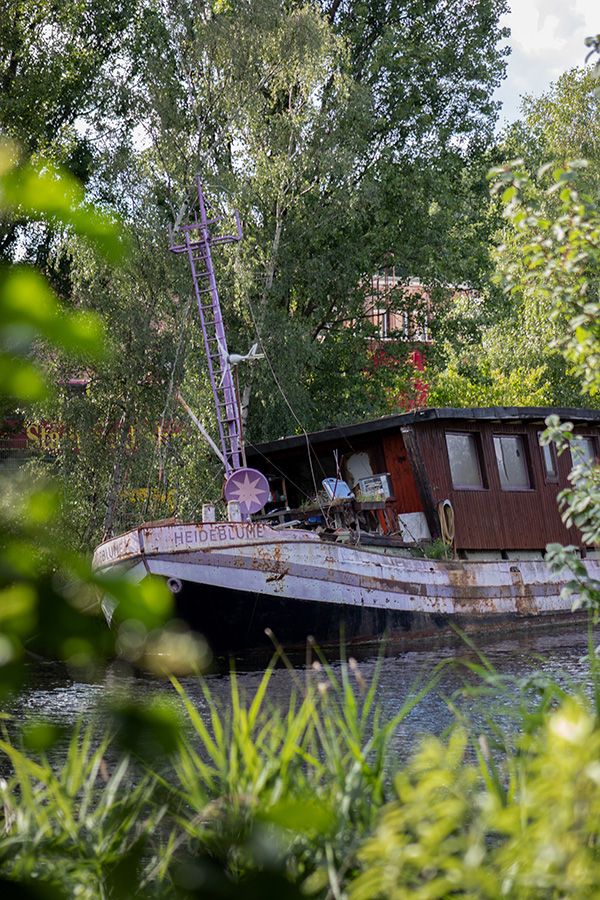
(290, 579)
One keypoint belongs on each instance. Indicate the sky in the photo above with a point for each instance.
(547, 39)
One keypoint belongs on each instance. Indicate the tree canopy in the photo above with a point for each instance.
(513, 347)
(351, 136)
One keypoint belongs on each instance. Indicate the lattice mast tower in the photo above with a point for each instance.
(197, 245)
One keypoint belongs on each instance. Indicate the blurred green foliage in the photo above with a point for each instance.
(236, 797)
(242, 798)
(29, 309)
(49, 596)
(454, 830)
(74, 825)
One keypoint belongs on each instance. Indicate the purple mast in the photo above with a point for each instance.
(197, 245)
(247, 487)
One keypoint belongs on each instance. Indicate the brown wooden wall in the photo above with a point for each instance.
(486, 519)
(493, 518)
(398, 464)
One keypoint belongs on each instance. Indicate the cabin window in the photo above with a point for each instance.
(464, 458)
(511, 458)
(549, 460)
(583, 449)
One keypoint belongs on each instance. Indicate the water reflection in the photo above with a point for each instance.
(54, 693)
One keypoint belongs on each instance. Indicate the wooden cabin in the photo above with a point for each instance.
(502, 486)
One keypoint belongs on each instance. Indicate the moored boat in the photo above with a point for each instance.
(418, 520)
(233, 581)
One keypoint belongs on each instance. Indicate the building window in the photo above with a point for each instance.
(422, 330)
(549, 461)
(583, 449)
(465, 460)
(383, 323)
(511, 458)
(405, 326)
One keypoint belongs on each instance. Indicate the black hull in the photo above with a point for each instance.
(233, 621)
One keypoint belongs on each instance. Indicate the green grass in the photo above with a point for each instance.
(206, 793)
(258, 800)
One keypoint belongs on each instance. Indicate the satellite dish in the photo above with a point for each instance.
(249, 488)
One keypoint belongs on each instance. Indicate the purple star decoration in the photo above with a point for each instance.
(249, 488)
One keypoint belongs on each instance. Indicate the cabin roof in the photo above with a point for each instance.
(512, 414)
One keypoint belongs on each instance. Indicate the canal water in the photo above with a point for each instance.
(521, 661)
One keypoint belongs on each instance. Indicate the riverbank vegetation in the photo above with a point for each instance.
(241, 796)
(367, 149)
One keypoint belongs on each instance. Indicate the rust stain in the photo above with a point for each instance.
(525, 602)
(269, 559)
(476, 606)
(461, 577)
